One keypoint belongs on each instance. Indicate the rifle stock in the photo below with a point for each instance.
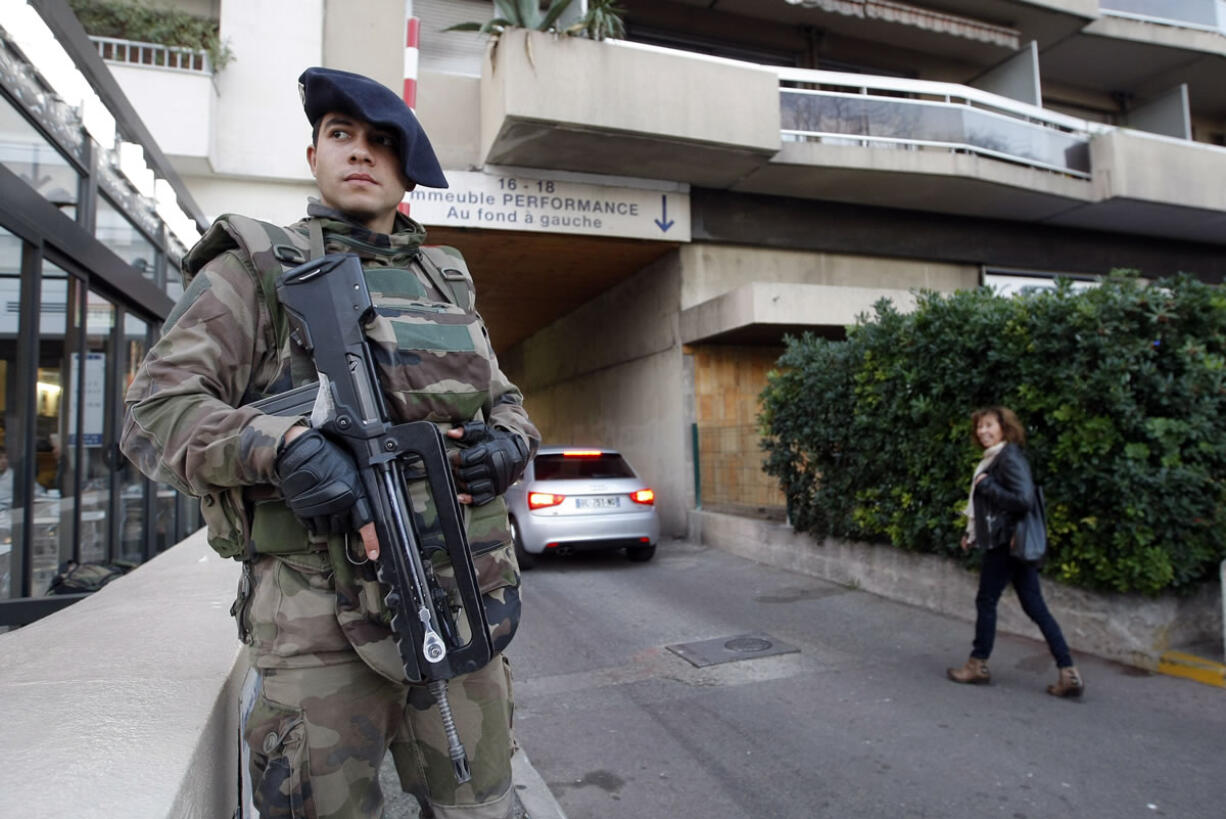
(328, 306)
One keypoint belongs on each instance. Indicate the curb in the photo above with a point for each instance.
(534, 795)
(1191, 667)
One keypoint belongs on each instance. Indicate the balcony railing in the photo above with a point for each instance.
(842, 108)
(1200, 14)
(132, 52)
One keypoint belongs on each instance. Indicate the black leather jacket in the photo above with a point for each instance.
(1002, 497)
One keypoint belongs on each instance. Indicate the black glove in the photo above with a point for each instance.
(321, 485)
(493, 461)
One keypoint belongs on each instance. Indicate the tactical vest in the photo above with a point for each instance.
(434, 363)
(440, 337)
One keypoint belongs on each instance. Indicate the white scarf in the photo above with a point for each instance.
(989, 455)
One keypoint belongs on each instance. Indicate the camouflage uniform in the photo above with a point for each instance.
(334, 695)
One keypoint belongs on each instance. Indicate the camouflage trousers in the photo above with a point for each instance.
(322, 719)
(317, 736)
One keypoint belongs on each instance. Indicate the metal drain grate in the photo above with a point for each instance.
(731, 649)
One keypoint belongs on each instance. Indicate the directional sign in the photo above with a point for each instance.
(552, 206)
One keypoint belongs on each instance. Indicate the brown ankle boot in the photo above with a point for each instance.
(975, 672)
(1069, 684)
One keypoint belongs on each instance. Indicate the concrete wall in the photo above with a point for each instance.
(177, 107)
(366, 37)
(713, 270)
(260, 129)
(650, 92)
(1128, 628)
(449, 107)
(649, 113)
(125, 704)
(279, 202)
(611, 374)
(1151, 168)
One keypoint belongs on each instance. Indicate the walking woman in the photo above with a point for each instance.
(1002, 490)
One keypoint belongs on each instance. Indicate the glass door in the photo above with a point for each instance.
(133, 521)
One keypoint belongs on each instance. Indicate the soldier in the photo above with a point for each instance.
(285, 499)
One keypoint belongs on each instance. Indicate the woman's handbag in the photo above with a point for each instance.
(1029, 541)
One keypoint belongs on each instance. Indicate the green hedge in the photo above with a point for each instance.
(1122, 389)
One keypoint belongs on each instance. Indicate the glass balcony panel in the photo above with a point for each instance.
(900, 121)
(1194, 12)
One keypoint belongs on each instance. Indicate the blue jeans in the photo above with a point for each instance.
(999, 569)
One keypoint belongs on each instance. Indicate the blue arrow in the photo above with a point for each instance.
(664, 223)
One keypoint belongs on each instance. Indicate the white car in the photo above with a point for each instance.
(574, 499)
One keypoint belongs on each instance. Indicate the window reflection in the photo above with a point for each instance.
(133, 488)
(57, 424)
(95, 428)
(115, 231)
(10, 298)
(25, 152)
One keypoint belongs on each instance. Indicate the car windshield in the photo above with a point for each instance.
(572, 467)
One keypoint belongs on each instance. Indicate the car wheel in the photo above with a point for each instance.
(525, 560)
(641, 554)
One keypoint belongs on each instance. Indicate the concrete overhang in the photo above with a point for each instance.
(1156, 186)
(767, 310)
(526, 281)
(1046, 21)
(1118, 55)
(652, 113)
(929, 180)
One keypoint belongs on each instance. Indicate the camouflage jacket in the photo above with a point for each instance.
(225, 344)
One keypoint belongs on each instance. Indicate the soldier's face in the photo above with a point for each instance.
(357, 169)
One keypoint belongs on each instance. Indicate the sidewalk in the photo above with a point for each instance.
(1180, 636)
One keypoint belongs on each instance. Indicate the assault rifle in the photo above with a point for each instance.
(328, 305)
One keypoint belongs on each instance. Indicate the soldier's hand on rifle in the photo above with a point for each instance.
(321, 486)
(493, 461)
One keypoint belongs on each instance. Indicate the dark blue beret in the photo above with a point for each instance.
(327, 89)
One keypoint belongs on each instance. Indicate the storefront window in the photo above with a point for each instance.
(95, 429)
(133, 487)
(57, 424)
(25, 152)
(115, 231)
(10, 298)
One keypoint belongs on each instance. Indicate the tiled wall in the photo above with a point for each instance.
(727, 381)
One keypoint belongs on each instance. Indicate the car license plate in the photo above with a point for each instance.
(603, 502)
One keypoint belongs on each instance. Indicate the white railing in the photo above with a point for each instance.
(842, 108)
(1204, 15)
(132, 52)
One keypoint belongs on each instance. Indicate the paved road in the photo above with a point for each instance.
(861, 722)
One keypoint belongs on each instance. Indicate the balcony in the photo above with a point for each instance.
(172, 88)
(854, 138)
(641, 111)
(1206, 15)
(1141, 48)
(1154, 185)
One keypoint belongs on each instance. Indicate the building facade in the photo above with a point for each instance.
(648, 218)
(93, 221)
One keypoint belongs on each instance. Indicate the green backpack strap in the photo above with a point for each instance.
(446, 268)
(273, 250)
